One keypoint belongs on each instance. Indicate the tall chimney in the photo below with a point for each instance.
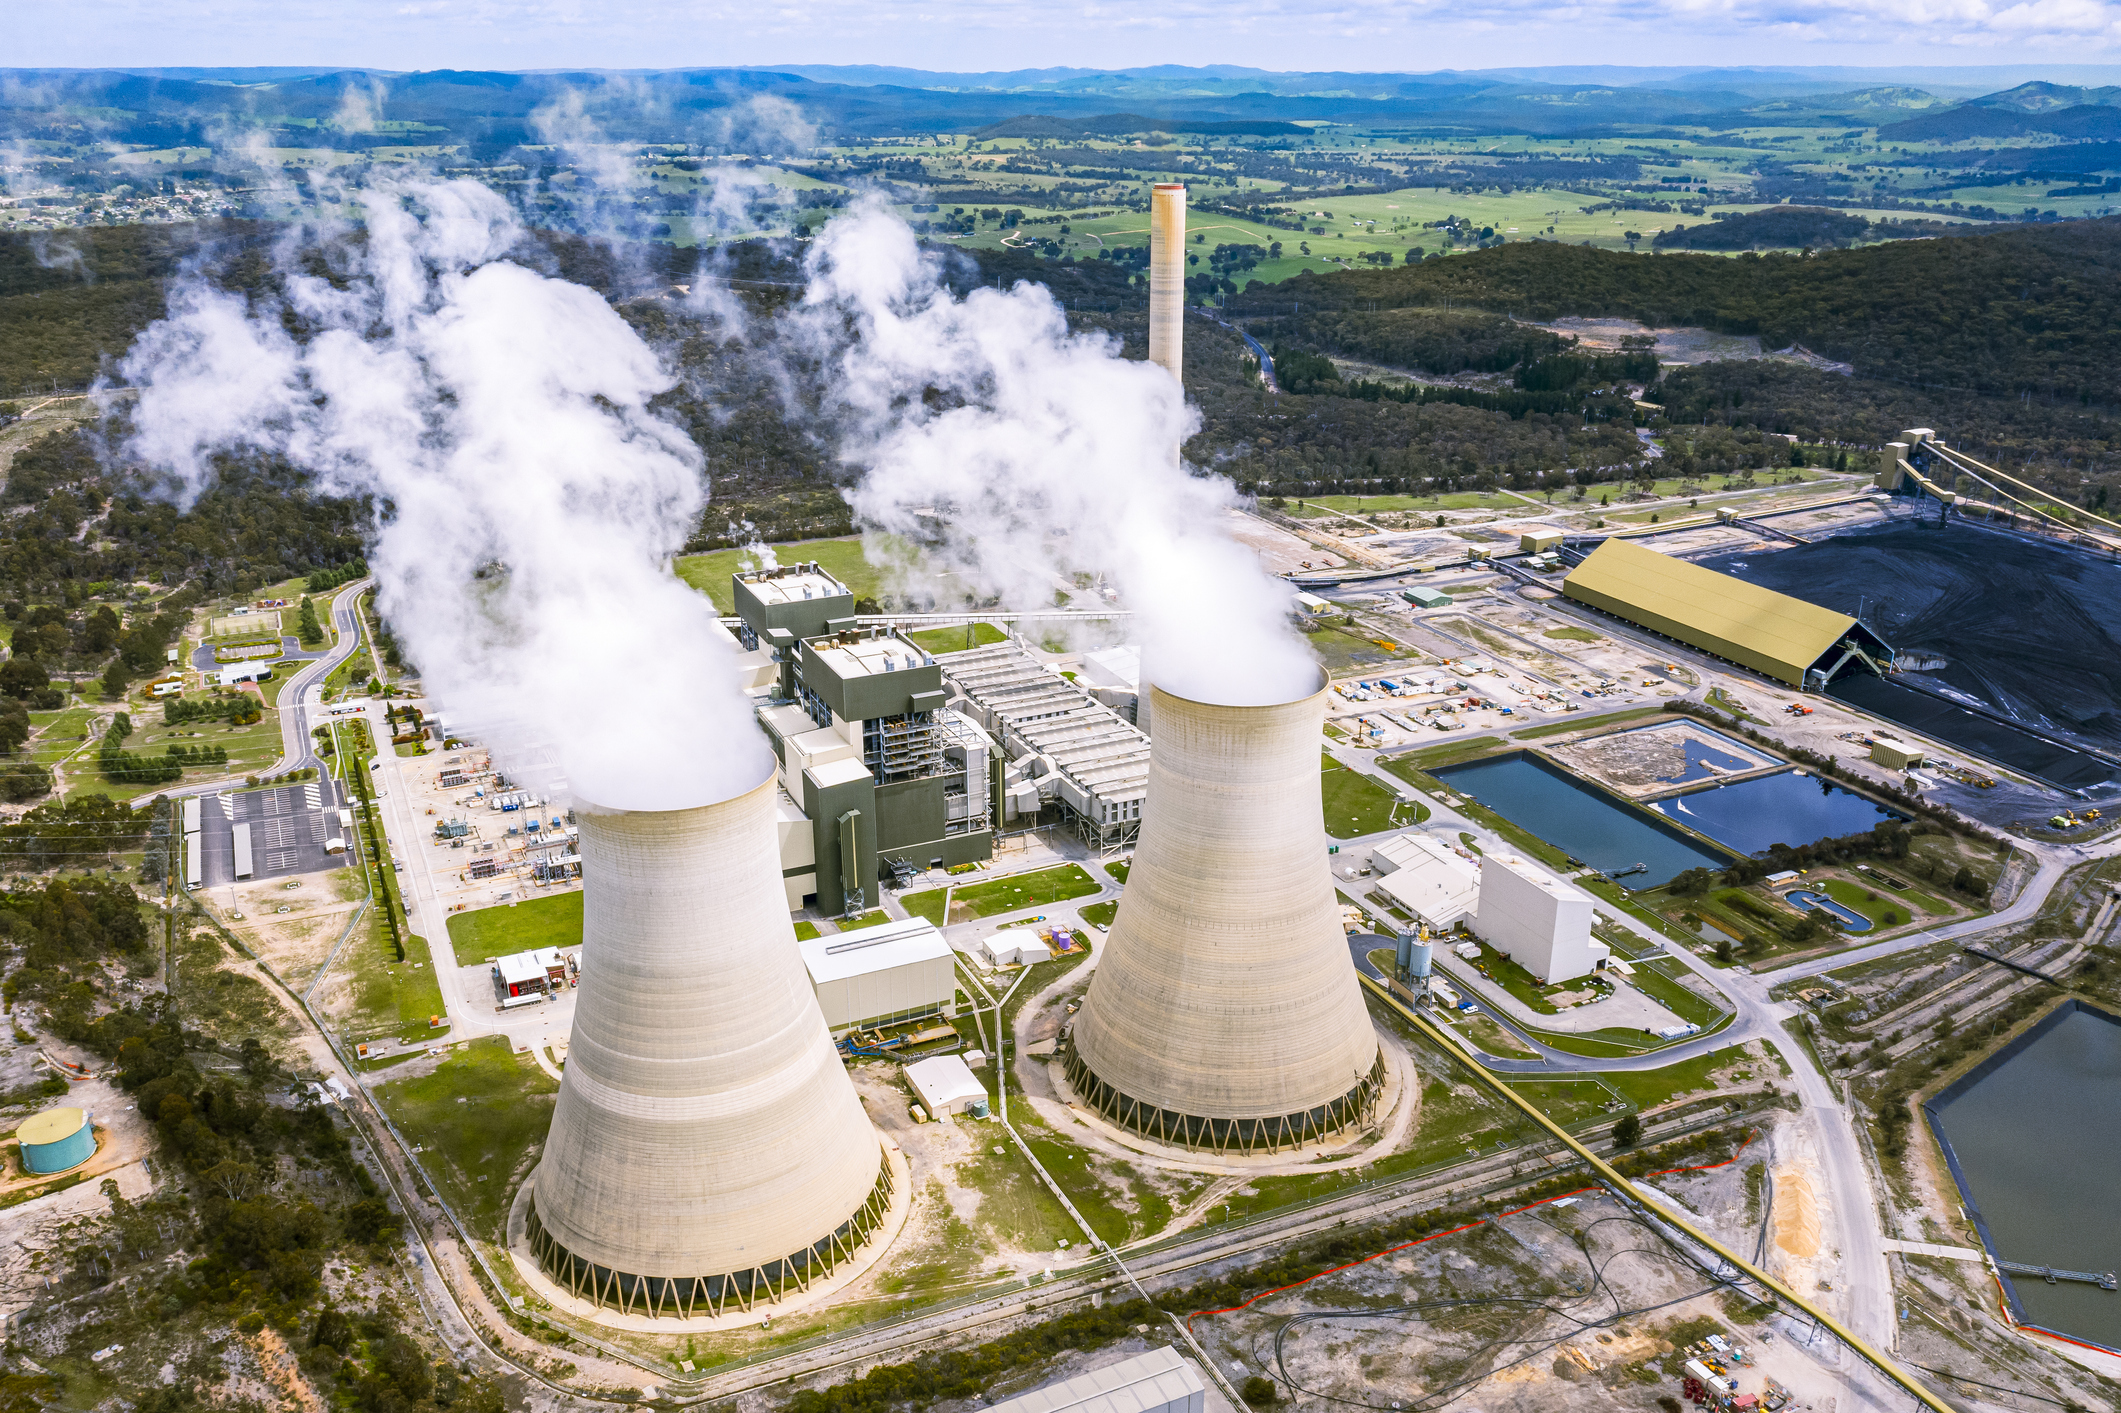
(1224, 1012)
(708, 1150)
(1167, 277)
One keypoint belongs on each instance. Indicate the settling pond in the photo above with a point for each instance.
(1790, 807)
(1579, 819)
(2034, 1139)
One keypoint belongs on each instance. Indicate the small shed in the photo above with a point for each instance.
(1425, 597)
(945, 1084)
(1538, 541)
(1895, 756)
(1313, 605)
(530, 973)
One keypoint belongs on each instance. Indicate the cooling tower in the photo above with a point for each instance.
(708, 1149)
(1224, 1012)
(1167, 277)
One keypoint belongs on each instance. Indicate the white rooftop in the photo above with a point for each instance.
(869, 656)
(1427, 878)
(839, 955)
(794, 588)
(529, 966)
(944, 1083)
(1539, 878)
(1114, 667)
(1154, 1382)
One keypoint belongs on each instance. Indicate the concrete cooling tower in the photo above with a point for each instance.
(1167, 277)
(708, 1150)
(1224, 1012)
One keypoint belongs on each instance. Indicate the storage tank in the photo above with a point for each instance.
(1414, 956)
(1224, 1012)
(708, 1149)
(56, 1140)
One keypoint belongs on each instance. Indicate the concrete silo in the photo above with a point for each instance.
(708, 1149)
(1224, 1012)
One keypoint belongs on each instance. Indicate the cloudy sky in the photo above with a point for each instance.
(962, 35)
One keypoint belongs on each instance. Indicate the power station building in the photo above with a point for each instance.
(894, 971)
(1068, 749)
(1785, 638)
(887, 779)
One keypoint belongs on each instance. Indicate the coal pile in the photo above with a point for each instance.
(2029, 631)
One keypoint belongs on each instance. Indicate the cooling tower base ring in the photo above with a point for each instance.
(1269, 1134)
(724, 1299)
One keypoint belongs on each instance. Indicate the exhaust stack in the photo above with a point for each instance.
(1167, 277)
(708, 1150)
(1224, 1012)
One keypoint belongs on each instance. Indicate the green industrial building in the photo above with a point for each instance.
(887, 779)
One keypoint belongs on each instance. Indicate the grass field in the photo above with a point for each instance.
(1355, 804)
(1883, 908)
(956, 640)
(551, 921)
(390, 997)
(1341, 650)
(841, 558)
(477, 1122)
(1584, 723)
(1100, 914)
(1002, 895)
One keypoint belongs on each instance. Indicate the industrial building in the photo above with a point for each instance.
(1895, 755)
(895, 971)
(56, 1140)
(1067, 750)
(945, 1084)
(1161, 1381)
(1426, 878)
(708, 1150)
(1781, 637)
(1536, 920)
(888, 780)
(535, 973)
(1224, 1012)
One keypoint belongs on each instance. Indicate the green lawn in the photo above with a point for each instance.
(956, 640)
(1574, 635)
(552, 921)
(1566, 1101)
(869, 919)
(1341, 650)
(1100, 914)
(1355, 804)
(391, 997)
(841, 558)
(1001, 895)
(478, 1121)
(805, 930)
(1880, 906)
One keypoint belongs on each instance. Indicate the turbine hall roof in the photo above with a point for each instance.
(1754, 627)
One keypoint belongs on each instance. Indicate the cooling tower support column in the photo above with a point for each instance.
(1167, 277)
(1224, 1012)
(708, 1150)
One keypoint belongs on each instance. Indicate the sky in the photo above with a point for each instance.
(970, 35)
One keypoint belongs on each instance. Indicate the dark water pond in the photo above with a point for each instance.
(2037, 1139)
(1545, 800)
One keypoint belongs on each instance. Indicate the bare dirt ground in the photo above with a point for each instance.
(293, 923)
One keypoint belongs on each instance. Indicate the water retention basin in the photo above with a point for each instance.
(1578, 818)
(2033, 1136)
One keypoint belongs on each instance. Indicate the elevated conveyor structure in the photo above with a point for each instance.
(1924, 466)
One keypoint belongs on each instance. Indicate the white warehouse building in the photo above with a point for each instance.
(1427, 878)
(1537, 920)
(894, 971)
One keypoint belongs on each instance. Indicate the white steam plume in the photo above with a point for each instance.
(529, 497)
(1045, 453)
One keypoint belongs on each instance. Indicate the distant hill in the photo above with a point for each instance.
(2027, 309)
(1771, 228)
(1116, 124)
(2029, 109)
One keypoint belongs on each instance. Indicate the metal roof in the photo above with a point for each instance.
(834, 956)
(1754, 627)
(1148, 1383)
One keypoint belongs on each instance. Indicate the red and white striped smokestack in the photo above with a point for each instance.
(1167, 277)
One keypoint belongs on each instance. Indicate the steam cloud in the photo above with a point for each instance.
(1045, 454)
(529, 498)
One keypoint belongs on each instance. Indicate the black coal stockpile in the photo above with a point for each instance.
(2031, 631)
